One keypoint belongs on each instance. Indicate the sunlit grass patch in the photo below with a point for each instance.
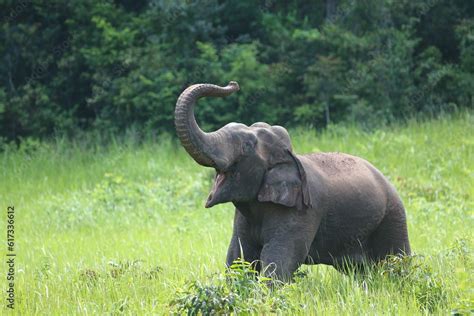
(122, 228)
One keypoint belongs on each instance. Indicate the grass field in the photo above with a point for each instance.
(123, 228)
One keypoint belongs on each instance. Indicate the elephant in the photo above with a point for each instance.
(290, 209)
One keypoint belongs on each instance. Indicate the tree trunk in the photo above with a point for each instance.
(326, 110)
(331, 6)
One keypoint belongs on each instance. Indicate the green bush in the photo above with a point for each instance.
(239, 290)
(417, 277)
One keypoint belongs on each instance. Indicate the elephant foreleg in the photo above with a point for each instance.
(243, 249)
(281, 258)
(242, 245)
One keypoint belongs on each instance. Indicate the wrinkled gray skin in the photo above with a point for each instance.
(328, 208)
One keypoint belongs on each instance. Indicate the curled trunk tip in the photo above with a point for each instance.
(200, 146)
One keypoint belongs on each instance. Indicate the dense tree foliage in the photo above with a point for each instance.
(116, 65)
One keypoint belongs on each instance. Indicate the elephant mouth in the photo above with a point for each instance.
(215, 197)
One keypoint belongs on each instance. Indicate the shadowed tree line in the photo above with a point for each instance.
(116, 65)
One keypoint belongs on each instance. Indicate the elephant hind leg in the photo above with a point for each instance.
(391, 236)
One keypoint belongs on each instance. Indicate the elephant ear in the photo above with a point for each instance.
(285, 183)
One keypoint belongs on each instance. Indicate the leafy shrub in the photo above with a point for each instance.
(414, 275)
(239, 290)
(206, 299)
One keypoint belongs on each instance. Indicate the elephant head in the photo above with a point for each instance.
(252, 163)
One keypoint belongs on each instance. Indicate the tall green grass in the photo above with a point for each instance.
(122, 228)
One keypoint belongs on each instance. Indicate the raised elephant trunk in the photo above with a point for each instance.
(201, 146)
